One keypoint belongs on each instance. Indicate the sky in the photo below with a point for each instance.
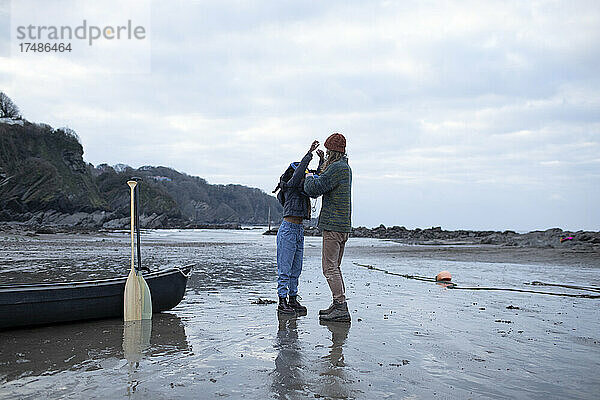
(459, 114)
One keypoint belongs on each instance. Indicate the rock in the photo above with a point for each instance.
(99, 217)
(156, 222)
(438, 236)
(50, 217)
(553, 232)
(312, 231)
(494, 238)
(118, 223)
(35, 219)
(79, 218)
(146, 220)
(45, 231)
(585, 237)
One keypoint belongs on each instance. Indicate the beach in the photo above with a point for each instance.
(408, 338)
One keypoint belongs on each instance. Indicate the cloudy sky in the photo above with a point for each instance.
(466, 114)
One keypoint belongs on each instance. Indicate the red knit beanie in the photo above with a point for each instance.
(336, 142)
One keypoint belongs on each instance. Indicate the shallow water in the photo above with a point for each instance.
(408, 339)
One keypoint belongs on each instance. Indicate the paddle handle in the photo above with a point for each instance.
(132, 185)
(137, 227)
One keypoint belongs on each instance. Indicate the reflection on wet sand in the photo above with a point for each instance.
(85, 346)
(136, 339)
(336, 380)
(287, 377)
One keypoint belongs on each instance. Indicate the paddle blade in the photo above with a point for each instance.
(132, 306)
(146, 298)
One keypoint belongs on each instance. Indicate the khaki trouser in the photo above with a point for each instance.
(333, 251)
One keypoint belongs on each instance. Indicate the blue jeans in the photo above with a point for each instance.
(290, 249)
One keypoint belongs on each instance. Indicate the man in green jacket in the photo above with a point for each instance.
(334, 182)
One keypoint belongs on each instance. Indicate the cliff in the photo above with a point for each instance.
(44, 181)
(43, 169)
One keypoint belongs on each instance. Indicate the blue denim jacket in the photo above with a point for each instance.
(296, 203)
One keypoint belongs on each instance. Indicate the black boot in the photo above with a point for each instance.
(297, 306)
(284, 308)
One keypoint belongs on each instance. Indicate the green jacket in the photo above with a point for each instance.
(335, 185)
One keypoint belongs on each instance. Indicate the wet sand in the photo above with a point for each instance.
(407, 339)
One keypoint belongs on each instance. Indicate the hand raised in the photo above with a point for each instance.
(321, 154)
(314, 146)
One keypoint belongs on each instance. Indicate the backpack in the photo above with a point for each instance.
(283, 179)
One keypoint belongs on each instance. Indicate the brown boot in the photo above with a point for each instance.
(328, 309)
(339, 313)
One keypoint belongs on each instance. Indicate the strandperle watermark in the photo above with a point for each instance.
(82, 35)
(85, 31)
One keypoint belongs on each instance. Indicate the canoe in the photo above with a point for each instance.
(49, 303)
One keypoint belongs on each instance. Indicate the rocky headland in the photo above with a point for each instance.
(555, 237)
(46, 186)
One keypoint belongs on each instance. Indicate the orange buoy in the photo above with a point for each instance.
(443, 276)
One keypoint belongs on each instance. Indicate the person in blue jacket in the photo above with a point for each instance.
(290, 235)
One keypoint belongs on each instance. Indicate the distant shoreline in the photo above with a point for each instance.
(551, 238)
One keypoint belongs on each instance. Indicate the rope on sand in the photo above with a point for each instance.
(452, 285)
(417, 277)
(589, 288)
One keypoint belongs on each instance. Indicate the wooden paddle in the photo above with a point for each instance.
(146, 297)
(137, 303)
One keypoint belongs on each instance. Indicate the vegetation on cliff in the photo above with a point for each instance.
(42, 171)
